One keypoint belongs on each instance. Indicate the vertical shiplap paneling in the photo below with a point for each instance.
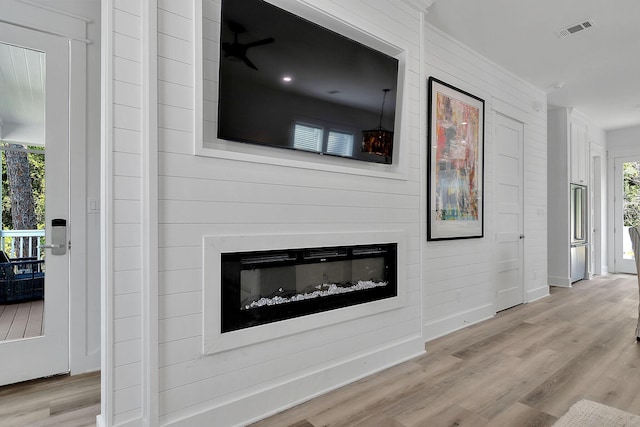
(205, 195)
(459, 274)
(127, 214)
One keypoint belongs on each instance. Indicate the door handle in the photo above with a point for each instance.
(58, 237)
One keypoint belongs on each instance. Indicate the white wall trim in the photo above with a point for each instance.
(38, 16)
(269, 400)
(509, 110)
(296, 159)
(106, 217)
(215, 341)
(561, 282)
(42, 30)
(457, 321)
(536, 294)
(56, 10)
(79, 358)
(198, 62)
(421, 5)
(423, 176)
(615, 153)
(150, 405)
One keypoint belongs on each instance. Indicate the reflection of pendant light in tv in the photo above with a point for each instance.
(378, 141)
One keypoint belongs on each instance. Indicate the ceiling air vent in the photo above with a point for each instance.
(576, 28)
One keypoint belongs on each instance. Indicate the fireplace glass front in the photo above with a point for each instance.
(268, 286)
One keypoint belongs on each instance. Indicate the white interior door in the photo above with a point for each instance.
(624, 260)
(509, 143)
(47, 353)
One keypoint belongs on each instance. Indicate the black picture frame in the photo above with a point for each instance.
(455, 165)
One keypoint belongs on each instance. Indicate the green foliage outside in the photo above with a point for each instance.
(631, 176)
(36, 165)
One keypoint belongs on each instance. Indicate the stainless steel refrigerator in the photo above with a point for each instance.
(579, 241)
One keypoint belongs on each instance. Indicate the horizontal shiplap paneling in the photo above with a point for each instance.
(201, 196)
(127, 214)
(459, 275)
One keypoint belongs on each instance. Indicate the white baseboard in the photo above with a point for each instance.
(443, 326)
(271, 400)
(538, 293)
(562, 282)
(136, 422)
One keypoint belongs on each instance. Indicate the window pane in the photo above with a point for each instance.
(340, 143)
(307, 138)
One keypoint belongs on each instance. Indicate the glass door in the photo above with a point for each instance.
(627, 211)
(35, 124)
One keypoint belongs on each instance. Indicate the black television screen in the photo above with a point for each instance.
(287, 82)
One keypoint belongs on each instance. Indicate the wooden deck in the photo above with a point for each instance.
(22, 320)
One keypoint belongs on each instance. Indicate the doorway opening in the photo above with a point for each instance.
(627, 211)
(630, 204)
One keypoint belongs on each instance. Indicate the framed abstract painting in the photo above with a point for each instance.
(455, 206)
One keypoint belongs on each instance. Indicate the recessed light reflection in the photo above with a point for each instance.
(287, 79)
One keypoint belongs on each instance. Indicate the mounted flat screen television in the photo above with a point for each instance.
(289, 83)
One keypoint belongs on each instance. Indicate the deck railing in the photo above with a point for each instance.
(22, 243)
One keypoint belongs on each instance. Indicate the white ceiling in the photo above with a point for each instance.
(600, 66)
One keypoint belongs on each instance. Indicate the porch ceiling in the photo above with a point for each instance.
(22, 77)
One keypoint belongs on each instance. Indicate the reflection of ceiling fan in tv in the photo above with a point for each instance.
(237, 50)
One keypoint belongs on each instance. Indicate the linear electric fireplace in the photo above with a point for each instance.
(260, 287)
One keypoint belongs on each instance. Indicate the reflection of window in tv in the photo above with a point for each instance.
(340, 143)
(314, 138)
(307, 137)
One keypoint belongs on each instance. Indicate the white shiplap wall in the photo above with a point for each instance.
(126, 162)
(459, 275)
(201, 196)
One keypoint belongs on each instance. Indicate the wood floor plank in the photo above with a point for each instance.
(522, 416)
(524, 367)
(83, 417)
(56, 401)
(27, 418)
(451, 415)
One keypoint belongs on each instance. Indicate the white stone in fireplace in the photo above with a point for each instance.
(215, 245)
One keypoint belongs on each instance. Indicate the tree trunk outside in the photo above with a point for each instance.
(21, 193)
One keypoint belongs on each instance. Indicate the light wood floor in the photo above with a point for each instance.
(23, 320)
(69, 401)
(525, 367)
